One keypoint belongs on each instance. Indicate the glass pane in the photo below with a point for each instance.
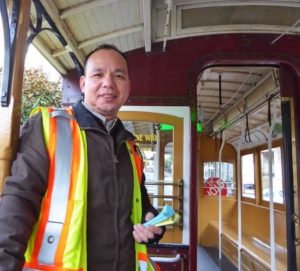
(212, 184)
(275, 157)
(155, 141)
(248, 182)
(168, 170)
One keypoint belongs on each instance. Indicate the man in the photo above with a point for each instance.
(110, 234)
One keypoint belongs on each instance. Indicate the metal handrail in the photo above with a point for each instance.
(168, 259)
(178, 197)
(161, 182)
(164, 197)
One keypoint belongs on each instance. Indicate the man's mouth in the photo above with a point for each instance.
(108, 96)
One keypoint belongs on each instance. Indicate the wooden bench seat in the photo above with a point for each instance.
(255, 252)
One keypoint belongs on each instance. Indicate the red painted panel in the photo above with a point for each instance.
(170, 77)
(172, 73)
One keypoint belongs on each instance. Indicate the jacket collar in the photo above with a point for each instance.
(87, 121)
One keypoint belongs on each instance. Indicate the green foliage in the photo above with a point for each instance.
(39, 91)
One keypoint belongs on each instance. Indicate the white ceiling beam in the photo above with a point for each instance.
(101, 38)
(53, 12)
(78, 8)
(223, 29)
(280, 36)
(45, 51)
(111, 35)
(59, 52)
(147, 24)
(218, 3)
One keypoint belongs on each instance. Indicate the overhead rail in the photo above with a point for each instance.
(267, 89)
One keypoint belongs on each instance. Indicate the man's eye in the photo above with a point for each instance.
(120, 76)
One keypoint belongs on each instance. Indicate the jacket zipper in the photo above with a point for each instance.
(116, 207)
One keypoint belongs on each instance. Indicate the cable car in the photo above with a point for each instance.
(214, 106)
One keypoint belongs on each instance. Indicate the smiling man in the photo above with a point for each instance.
(77, 181)
(106, 84)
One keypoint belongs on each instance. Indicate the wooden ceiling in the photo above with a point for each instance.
(133, 24)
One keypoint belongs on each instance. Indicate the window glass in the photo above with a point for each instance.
(212, 184)
(155, 141)
(248, 182)
(168, 171)
(275, 157)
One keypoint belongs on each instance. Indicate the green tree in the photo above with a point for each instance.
(39, 91)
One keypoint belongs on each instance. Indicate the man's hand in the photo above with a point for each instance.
(143, 233)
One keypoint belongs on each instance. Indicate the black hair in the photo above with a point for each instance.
(104, 46)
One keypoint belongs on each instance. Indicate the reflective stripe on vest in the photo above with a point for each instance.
(142, 260)
(58, 241)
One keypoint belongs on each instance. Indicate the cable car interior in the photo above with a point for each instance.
(214, 106)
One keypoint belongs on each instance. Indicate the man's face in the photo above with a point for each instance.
(106, 83)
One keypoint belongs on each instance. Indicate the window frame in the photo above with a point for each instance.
(256, 151)
(229, 161)
(248, 199)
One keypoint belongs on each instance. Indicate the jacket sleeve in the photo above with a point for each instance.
(148, 207)
(22, 194)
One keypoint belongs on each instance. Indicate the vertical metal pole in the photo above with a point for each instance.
(220, 197)
(272, 228)
(169, 8)
(193, 190)
(291, 217)
(239, 196)
(157, 190)
(10, 115)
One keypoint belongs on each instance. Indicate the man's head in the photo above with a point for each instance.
(106, 84)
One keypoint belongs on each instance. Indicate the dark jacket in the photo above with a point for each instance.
(110, 244)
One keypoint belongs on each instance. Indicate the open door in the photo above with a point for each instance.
(160, 137)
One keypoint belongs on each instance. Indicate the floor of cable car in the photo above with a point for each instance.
(208, 260)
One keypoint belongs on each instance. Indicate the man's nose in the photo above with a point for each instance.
(108, 80)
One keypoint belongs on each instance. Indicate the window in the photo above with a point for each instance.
(248, 181)
(255, 175)
(155, 141)
(168, 170)
(275, 157)
(213, 184)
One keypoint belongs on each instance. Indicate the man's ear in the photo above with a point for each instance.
(82, 83)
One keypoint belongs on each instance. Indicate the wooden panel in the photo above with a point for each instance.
(250, 264)
(256, 252)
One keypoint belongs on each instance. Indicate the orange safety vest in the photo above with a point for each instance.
(58, 241)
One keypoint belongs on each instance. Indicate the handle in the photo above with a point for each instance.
(167, 259)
